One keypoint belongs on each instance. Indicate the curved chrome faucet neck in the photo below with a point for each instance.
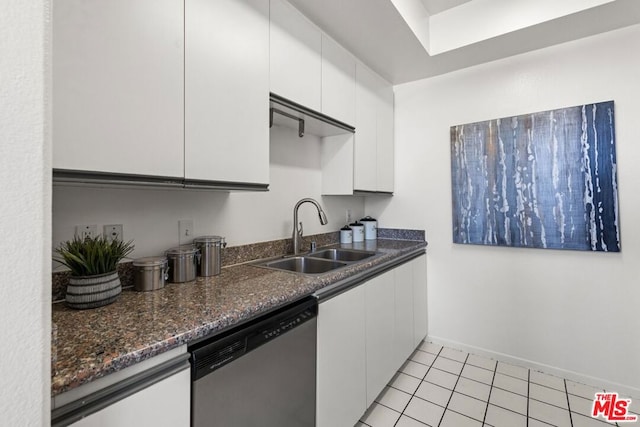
(297, 230)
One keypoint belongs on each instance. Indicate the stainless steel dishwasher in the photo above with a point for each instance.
(259, 374)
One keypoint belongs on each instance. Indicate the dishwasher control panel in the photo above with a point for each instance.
(218, 351)
(287, 324)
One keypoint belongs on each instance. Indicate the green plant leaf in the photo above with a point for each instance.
(92, 255)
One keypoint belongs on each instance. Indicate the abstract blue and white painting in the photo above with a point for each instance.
(540, 180)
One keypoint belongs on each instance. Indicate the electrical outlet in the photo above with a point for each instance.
(185, 231)
(84, 231)
(348, 215)
(112, 232)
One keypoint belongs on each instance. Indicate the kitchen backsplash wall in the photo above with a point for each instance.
(150, 216)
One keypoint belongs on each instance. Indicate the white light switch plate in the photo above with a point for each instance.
(185, 231)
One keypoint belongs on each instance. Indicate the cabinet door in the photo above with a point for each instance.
(380, 320)
(374, 145)
(338, 82)
(420, 329)
(227, 90)
(341, 371)
(385, 142)
(295, 56)
(404, 335)
(165, 403)
(118, 86)
(336, 158)
(365, 142)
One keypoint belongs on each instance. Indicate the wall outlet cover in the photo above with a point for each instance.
(113, 232)
(86, 230)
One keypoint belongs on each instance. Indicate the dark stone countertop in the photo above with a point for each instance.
(139, 325)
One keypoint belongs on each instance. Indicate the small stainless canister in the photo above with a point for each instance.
(150, 273)
(211, 254)
(182, 263)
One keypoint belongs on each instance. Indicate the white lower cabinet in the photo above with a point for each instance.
(364, 336)
(379, 293)
(166, 403)
(341, 373)
(420, 325)
(403, 334)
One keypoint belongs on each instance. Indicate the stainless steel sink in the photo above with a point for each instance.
(318, 262)
(305, 265)
(347, 255)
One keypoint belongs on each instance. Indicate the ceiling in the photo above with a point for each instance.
(437, 6)
(377, 33)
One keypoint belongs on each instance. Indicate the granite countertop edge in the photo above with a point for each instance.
(66, 377)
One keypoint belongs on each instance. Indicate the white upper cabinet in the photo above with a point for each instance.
(338, 82)
(384, 142)
(118, 86)
(227, 90)
(365, 142)
(372, 160)
(295, 56)
(336, 159)
(374, 146)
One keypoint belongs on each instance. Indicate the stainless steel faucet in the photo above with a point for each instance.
(297, 230)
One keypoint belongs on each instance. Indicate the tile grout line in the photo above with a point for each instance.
(466, 362)
(486, 408)
(515, 376)
(604, 390)
(548, 403)
(419, 384)
(566, 390)
(414, 419)
(453, 389)
(528, 393)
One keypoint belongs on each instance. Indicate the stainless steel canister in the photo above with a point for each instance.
(211, 254)
(182, 263)
(150, 273)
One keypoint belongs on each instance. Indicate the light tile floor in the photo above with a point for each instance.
(442, 387)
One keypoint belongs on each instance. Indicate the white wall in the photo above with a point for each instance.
(576, 312)
(150, 217)
(25, 214)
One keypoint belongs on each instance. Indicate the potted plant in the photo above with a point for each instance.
(93, 262)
